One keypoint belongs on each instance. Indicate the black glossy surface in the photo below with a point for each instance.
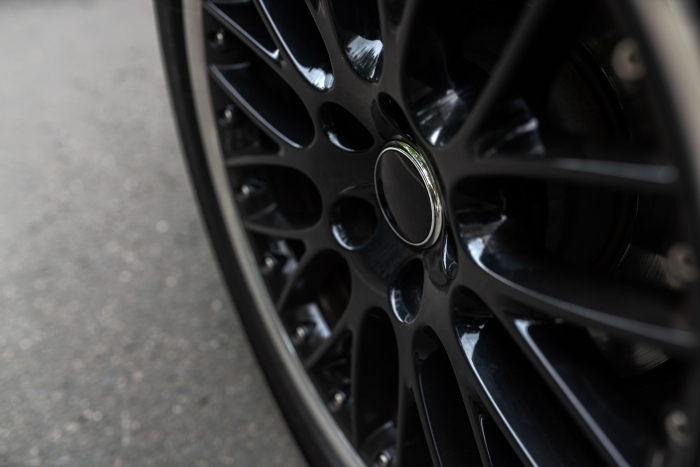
(405, 196)
(496, 449)
(256, 91)
(243, 18)
(333, 374)
(443, 80)
(344, 130)
(297, 31)
(324, 281)
(239, 135)
(357, 24)
(278, 197)
(406, 292)
(509, 384)
(547, 325)
(377, 385)
(593, 391)
(353, 222)
(449, 422)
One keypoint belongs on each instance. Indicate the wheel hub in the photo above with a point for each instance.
(408, 195)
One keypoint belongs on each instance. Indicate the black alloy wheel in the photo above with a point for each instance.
(458, 232)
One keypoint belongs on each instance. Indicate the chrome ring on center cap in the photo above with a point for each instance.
(408, 194)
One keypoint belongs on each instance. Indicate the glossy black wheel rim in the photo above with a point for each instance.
(554, 322)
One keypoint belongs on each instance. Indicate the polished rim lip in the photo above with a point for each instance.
(195, 45)
(421, 165)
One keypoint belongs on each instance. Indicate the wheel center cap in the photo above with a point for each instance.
(408, 194)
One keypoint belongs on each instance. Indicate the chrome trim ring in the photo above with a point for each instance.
(426, 174)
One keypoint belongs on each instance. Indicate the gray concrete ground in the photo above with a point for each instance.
(117, 343)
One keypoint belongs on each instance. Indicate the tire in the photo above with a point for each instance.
(468, 239)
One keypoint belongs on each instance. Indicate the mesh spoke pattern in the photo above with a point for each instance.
(555, 322)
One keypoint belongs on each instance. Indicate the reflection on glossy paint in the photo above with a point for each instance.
(529, 128)
(449, 256)
(296, 29)
(342, 237)
(243, 16)
(333, 137)
(469, 334)
(365, 56)
(442, 116)
(319, 78)
(469, 338)
(475, 236)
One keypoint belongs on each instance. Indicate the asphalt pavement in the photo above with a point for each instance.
(118, 345)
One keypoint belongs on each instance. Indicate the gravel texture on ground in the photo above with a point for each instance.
(118, 346)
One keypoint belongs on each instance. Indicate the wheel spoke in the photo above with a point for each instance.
(594, 172)
(412, 446)
(531, 56)
(288, 122)
(495, 448)
(307, 258)
(328, 344)
(264, 198)
(425, 424)
(392, 16)
(409, 12)
(361, 300)
(646, 178)
(375, 376)
(518, 400)
(295, 28)
(607, 304)
(396, 38)
(357, 33)
(448, 420)
(265, 228)
(259, 159)
(332, 376)
(573, 366)
(243, 20)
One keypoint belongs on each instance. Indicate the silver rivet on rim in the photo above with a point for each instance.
(228, 115)
(300, 334)
(627, 60)
(677, 428)
(220, 38)
(246, 190)
(269, 263)
(383, 459)
(682, 265)
(338, 400)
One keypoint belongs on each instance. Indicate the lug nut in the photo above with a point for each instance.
(627, 60)
(677, 429)
(338, 400)
(269, 263)
(383, 459)
(300, 335)
(682, 265)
